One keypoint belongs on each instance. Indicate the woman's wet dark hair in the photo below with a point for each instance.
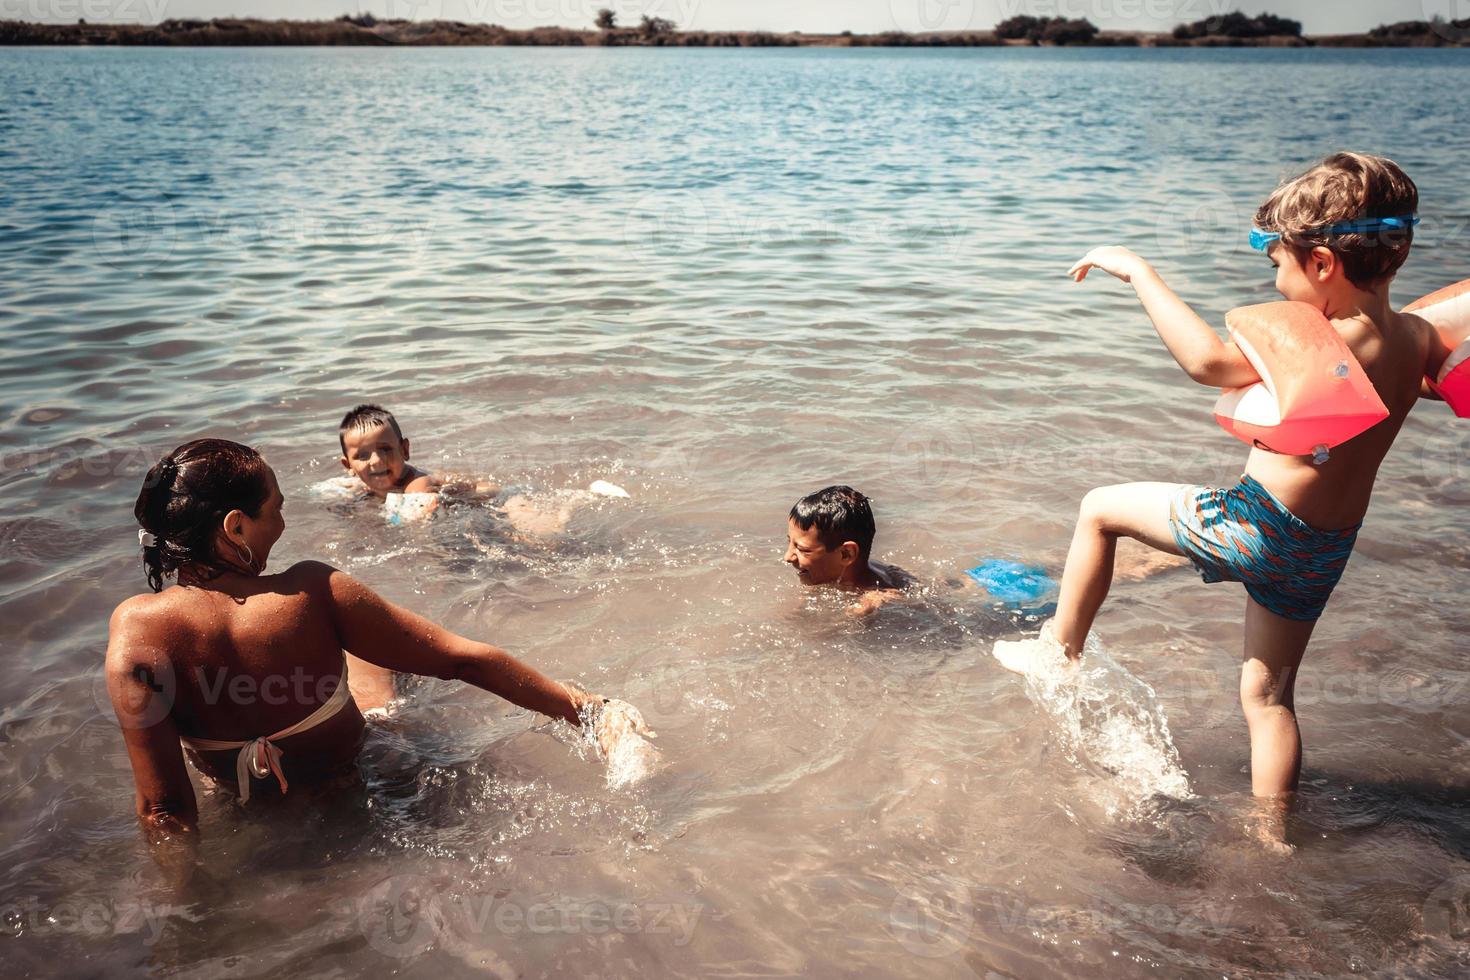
(186, 496)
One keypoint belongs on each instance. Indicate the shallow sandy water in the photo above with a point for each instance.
(720, 280)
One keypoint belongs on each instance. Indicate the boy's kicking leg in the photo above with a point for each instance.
(1133, 510)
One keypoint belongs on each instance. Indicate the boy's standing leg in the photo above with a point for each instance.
(1273, 652)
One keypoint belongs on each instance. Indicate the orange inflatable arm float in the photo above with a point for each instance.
(1313, 394)
(1449, 311)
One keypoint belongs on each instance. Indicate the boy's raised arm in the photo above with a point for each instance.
(1193, 342)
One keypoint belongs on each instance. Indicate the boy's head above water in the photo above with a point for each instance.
(375, 451)
(1318, 257)
(830, 537)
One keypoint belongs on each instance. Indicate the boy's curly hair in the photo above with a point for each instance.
(1346, 187)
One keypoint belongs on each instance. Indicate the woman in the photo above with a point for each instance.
(248, 671)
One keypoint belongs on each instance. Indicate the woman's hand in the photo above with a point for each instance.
(1115, 260)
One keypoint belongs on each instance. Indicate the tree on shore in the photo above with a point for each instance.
(1053, 30)
(1237, 24)
(606, 19)
(656, 26)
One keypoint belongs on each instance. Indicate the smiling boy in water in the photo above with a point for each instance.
(1337, 235)
(376, 452)
(829, 541)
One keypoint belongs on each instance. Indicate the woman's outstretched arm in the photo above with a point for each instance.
(376, 630)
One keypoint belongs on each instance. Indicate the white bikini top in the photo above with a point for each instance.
(259, 757)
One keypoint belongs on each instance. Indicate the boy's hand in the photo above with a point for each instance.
(1115, 260)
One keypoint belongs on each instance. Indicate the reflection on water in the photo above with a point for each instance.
(720, 280)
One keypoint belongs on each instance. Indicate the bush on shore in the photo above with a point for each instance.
(1238, 25)
(1049, 30)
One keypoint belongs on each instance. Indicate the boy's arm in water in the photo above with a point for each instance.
(892, 584)
(138, 684)
(391, 637)
(1193, 342)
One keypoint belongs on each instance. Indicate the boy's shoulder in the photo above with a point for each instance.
(422, 483)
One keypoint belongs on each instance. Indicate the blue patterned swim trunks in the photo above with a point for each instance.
(1244, 534)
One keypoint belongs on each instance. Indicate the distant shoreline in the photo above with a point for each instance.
(368, 32)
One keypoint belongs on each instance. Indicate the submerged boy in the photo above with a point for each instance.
(1337, 235)
(829, 541)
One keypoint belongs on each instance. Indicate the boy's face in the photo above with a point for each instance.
(814, 562)
(1303, 281)
(376, 456)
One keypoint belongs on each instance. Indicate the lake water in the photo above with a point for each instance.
(720, 279)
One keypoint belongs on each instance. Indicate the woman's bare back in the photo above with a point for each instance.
(248, 657)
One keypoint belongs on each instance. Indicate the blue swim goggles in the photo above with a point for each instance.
(1262, 240)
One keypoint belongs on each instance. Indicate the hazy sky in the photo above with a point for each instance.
(1319, 16)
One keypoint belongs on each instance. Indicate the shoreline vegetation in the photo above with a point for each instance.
(1229, 30)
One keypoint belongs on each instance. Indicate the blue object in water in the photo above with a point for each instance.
(1013, 582)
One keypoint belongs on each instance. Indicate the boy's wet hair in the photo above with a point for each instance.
(839, 514)
(366, 417)
(1346, 187)
(187, 494)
